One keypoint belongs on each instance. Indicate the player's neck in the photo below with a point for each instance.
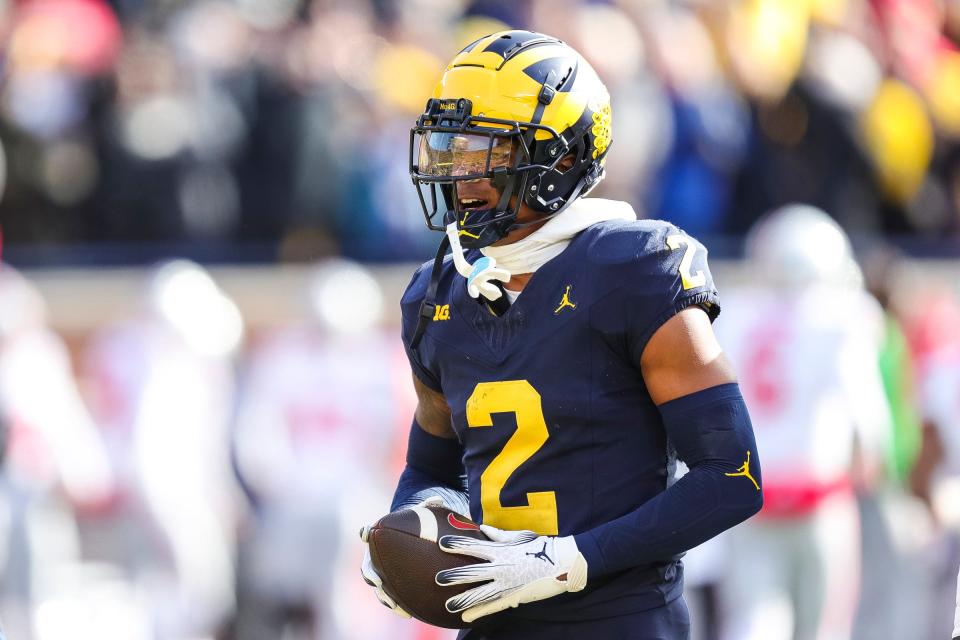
(518, 281)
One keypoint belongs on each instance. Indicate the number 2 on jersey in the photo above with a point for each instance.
(521, 399)
(690, 280)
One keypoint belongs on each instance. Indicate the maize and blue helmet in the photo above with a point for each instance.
(508, 108)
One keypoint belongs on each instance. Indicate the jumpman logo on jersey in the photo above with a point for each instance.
(542, 554)
(565, 302)
(744, 470)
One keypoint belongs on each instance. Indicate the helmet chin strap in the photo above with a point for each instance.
(484, 278)
(464, 268)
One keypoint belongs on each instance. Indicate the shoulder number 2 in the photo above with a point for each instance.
(690, 280)
(521, 399)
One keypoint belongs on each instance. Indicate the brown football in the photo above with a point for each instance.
(406, 556)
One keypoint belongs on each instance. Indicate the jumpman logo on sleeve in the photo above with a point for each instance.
(744, 470)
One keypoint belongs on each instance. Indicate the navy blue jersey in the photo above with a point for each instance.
(560, 434)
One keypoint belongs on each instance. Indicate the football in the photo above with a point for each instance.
(406, 556)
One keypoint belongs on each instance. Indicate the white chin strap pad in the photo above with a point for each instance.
(481, 274)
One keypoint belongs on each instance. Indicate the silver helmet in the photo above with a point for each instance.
(799, 245)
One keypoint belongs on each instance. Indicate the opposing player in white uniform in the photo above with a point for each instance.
(805, 341)
(170, 375)
(323, 400)
(50, 450)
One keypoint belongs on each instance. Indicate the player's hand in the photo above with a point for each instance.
(521, 567)
(481, 280)
(371, 577)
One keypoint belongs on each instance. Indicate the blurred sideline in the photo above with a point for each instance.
(80, 299)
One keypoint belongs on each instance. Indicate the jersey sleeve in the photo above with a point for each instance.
(676, 266)
(410, 311)
(659, 270)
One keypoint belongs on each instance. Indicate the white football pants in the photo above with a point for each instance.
(795, 578)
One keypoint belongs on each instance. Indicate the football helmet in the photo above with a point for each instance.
(799, 245)
(508, 108)
(183, 296)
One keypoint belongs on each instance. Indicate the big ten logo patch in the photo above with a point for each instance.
(442, 312)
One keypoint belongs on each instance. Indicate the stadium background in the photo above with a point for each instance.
(187, 436)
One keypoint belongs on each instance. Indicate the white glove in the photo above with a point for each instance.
(521, 567)
(480, 280)
(370, 575)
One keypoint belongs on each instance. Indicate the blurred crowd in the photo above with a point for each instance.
(239, 129)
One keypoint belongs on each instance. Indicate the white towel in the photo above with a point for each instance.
(544, 244)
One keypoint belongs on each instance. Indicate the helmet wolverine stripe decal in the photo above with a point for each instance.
(507, 43)
(565, 69)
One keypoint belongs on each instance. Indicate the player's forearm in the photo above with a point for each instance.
(712, 434)
(434, 467)
(690, 512)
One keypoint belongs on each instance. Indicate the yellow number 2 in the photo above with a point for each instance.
(520, 398)
(690, 280)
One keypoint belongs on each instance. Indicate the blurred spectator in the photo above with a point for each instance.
(49, 103)
(710, 126)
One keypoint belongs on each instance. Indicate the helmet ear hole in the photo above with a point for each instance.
(567, 162)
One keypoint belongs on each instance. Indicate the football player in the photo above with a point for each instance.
(51, 450)
(807, 338)
(302, 426)
(167, 380)
(563, 362)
